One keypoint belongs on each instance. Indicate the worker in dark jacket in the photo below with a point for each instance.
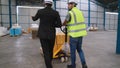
(49, 19)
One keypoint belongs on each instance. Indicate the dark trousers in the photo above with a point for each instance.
(47, 46)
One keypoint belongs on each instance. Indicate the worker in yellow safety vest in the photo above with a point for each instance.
(76, 29)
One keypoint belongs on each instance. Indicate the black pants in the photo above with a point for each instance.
(47, 46)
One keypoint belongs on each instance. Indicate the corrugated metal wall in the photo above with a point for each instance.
(111, 21)
(4, 15)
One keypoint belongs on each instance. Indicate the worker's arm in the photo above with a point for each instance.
(67, 19)
(65, 22)
(36, 17)
(58, 22)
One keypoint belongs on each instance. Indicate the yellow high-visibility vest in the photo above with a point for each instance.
(76, 26)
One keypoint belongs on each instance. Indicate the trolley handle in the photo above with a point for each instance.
(64, 30)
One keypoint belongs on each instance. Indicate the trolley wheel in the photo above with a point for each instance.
(62, 59)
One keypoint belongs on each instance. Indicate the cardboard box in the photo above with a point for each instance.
(34, 33)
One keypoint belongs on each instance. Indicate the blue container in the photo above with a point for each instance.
(12, 32)
(18, 31)
(15, 31)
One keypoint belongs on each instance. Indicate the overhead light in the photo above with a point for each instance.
(112, 13)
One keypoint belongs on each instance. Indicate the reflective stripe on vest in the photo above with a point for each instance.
(75, 20)
(79, 23)
(76, 30)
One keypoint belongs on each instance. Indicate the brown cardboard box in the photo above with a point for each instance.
(34, 33)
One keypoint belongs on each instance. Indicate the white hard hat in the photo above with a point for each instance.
(73, 1)
(48, 1)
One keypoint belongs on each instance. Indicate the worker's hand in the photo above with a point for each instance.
(64, 23)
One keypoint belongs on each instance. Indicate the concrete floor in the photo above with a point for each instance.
(23, 52)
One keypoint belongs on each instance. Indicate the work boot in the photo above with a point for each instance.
(70, 66)
(84, 66)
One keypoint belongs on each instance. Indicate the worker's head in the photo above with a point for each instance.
(48, 3)
(71, 4)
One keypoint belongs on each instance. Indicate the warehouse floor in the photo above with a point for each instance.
(23, 52)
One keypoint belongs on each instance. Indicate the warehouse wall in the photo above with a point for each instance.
(14, 13)
(111, 21)
(96, 15)
(5, 12)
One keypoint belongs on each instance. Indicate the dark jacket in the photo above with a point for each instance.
(49, 19)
